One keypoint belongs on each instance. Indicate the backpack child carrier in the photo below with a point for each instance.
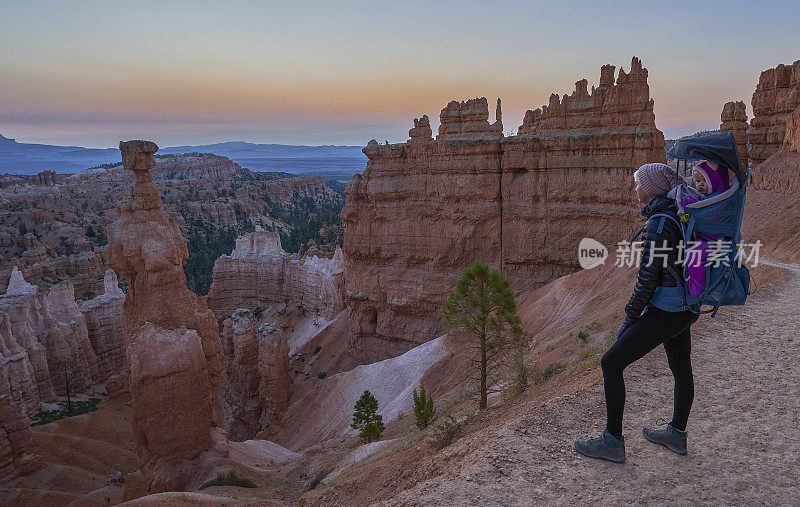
(727, 280)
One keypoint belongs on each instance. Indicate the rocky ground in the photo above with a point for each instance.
(743, 446)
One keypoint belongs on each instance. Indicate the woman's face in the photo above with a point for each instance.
(641, 194)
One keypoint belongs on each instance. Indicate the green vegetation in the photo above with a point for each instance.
(78, 408)
(229, 479)
(424, 412)
(318, 478)
(308, 220)
(206, 243)
(542, 376)
(444, 432)
(366, 419)
(483, 312)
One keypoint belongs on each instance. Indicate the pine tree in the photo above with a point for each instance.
(366, 419)
(424, 412)
(482, 310)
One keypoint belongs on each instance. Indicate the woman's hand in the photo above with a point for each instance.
(625, 323)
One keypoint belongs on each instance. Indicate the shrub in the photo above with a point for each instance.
(257, 312)
(401, 415)
(424, 412)
(372, 431)
(444, 432)
(542, 376)
(318, 478)
(78, 408)
(229, 479)
(322, 375)
(366, 418)
(583, 335)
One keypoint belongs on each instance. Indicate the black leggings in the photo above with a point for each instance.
(643, 335)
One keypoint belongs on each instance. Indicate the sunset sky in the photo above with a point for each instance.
(90, 73)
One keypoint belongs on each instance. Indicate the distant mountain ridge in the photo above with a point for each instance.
(338, 161)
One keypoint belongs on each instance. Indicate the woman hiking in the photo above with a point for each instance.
(645, 326)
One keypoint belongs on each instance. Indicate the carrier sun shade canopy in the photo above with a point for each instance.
(719, 148)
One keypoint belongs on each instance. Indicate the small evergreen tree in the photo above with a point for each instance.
(366, 419)
(483, 312)
(520, 343)
(424, 412)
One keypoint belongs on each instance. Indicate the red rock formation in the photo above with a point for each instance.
(734, 120)
(37, 332)
(421, 212)
(45, 178)
(571, 176)
(792, 140)
(424, 210)
(259, 273)
(781, 171)
(106, 327)
(256, 380)
(201, 166)
(15, 439)
(171, 337)
(777, 95)
(465, 121)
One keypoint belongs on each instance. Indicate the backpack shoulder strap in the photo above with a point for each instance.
(664, 216)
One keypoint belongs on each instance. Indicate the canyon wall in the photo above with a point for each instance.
(256, 381)
(568, 174)
(259, 273)
(425, 209)
(15, 440)
(171, 337)
(777, 95)
(421, 212)
(781, 171)
(105, 326)
(39, 332)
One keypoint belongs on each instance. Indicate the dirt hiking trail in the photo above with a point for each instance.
(744, 429)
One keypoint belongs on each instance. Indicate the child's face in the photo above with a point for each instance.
(700, 183)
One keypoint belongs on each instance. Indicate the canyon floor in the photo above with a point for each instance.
(743, 443)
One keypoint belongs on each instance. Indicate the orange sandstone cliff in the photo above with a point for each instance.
(425, 209)
(776, 96)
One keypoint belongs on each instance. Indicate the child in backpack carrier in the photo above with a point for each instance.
(710, 179)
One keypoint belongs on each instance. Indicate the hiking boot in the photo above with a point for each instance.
(606, 446)
(669, 437)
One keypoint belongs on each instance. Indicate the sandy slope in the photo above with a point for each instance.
(744, 441)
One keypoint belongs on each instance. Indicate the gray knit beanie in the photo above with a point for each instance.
(658, 178)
